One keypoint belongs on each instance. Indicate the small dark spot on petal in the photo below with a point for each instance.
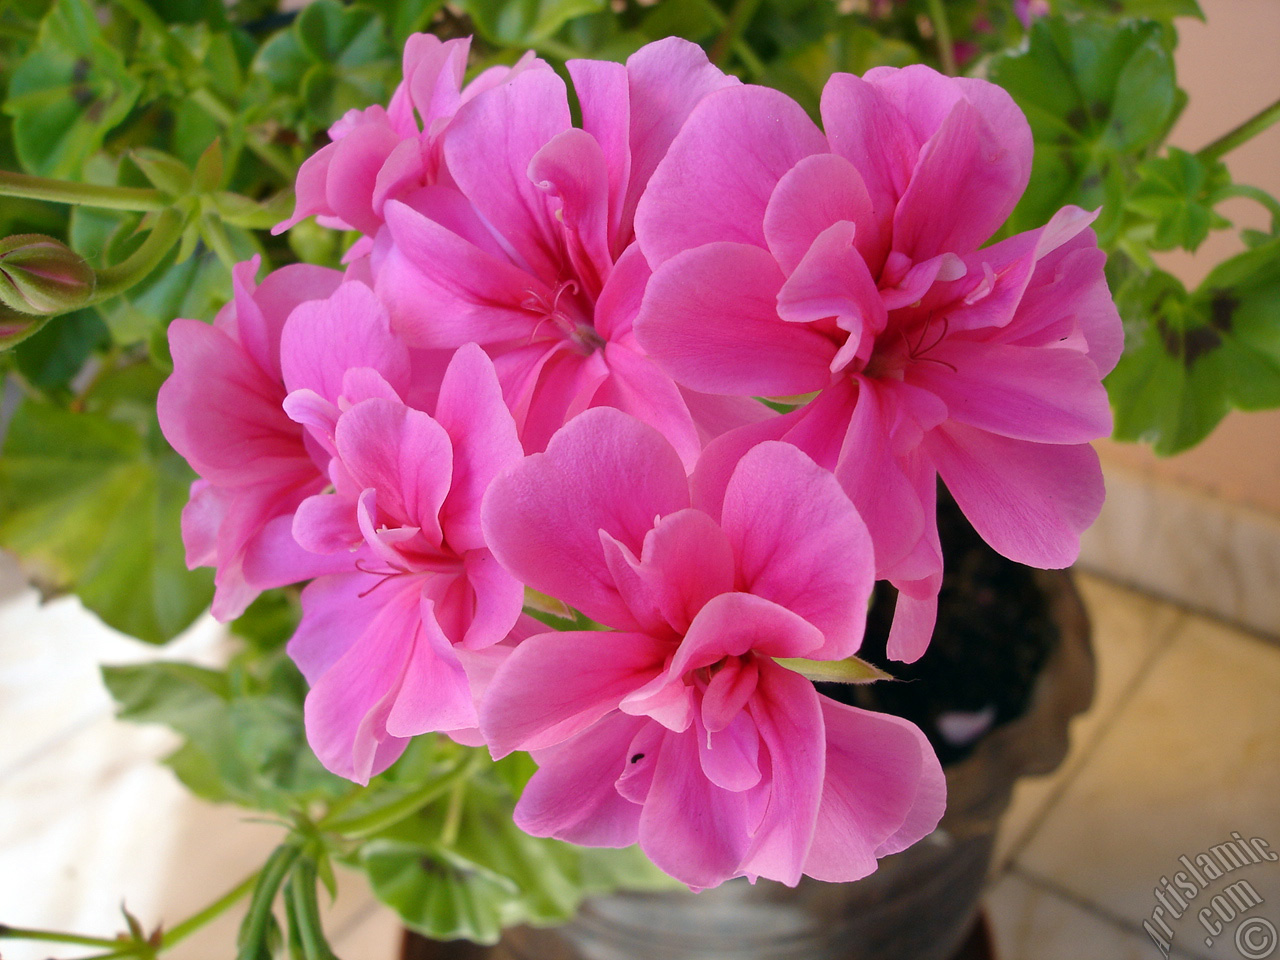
(637, 758)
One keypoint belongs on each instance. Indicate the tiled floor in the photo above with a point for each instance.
(1181, 748)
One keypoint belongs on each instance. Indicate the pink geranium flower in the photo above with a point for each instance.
(221, 410)
(380, 154)
(845, 265)
(524, 243)
(679, 729)
(387, 645)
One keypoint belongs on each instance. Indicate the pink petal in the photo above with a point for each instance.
(1026, 393)
(435, 693)
(971, 171)
(800, 543)
(666, 79)
(323, 339)
(601, 87)
(622, 475)
(832, 280)
(730, 757)
(497, 602)
(222, 412)
(326, 523)
(347, 709)
(709, 318)
(471, 411)
(883, 791)
(489, 147)
(353, 173)
(573, 795)
(1030, 501)
(261, 313)
(914, 616)
(636, 385)
(619, 301)
(443, 291)
(715, 182)
(404, 455)
(735, 624)
(555, 685)
(571, 169)
(818, 191)
(690, 828)
(786, 711)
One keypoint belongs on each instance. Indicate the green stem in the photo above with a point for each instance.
(453, 815)
(270, 154)
(739, 17)
(134, 269)
(356, 828)
(54, 936)
(1241, 134)
(942, 36)
(213, 910)
(1260, 196)
(265, 888)
(88, 194)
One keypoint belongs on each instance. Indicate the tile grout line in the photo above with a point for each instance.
(1056, 890)
(69, 732)
(1088, 748)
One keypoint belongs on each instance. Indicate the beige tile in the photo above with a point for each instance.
(1130, 631)
(1192, 756)
(1180, 543)
(1031, 923)
(374, 934)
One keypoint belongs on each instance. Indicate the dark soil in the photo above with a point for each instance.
(994, 633)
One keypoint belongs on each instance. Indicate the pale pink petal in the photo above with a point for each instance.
(261, 313)
(334, 614)
(471, 411)
(715, 182)
(728, 692)
(326, 523)
(309, 189)
(573, 795)
(715, 414)
(555, 685)
(914, 616)
(883, 790)
(1030, 501)
(404, 455)
(619, 301)
(273, 558)
(622, 475)
(709, 318)
(799, 542)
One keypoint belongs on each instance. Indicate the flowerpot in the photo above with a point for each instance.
(922, 903)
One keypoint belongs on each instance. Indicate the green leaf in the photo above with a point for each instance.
(1136, 9)
(849, 670)
(1176, 195)
(68, 92)
(89, 507)
(1191, 358)
(1095, 94)
(51, 358)
(519, 23)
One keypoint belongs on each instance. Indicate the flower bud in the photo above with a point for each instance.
(40, 275)
(16, 327)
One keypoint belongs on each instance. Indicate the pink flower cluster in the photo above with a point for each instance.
(541, 370)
